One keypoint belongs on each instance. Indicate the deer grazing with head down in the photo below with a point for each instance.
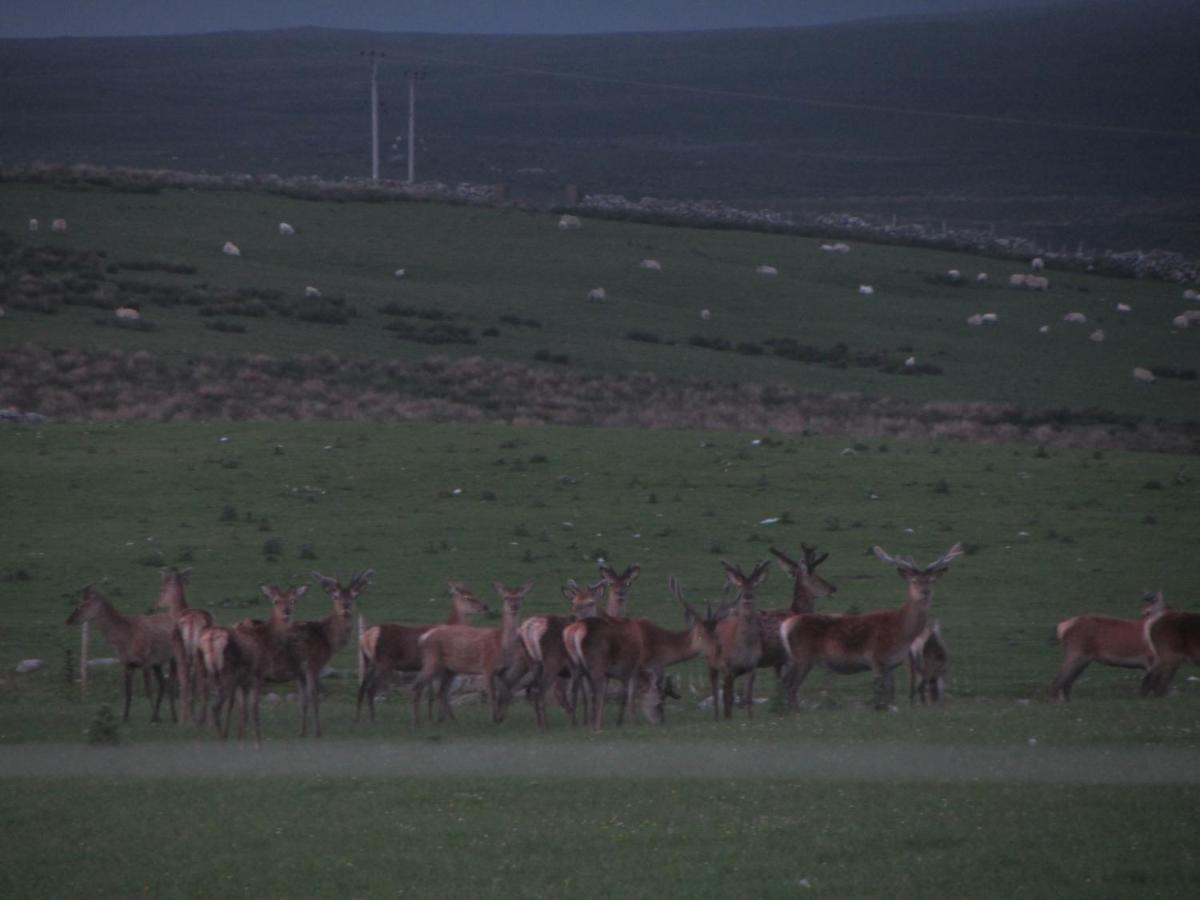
(141, 642)
(1174, 636)
(237, 660)
(1104, 639)
(543, 640)
(497, 654)
(876, 641)
(388, 648)
(189, 623)
(310, 645)
(739, 639)
(927, 662)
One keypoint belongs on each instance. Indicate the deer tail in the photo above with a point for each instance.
(573, 636)
(213, 642)
(531, 632)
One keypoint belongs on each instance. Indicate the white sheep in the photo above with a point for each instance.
(399, 273)
(1189, 294)
(286, 230)
(910, 363)
(59, 226)
(1181, 321)
(1143, 375)
(652, 264)
(989, 318)
(34, 225)
(706, 314)
(866, 290)
(1076, 318)
(231, 249)
(1045, 329)
(835, 248)
(568, 222)
(1124, 308)
(1016, 279)
(1037, 264)
(311, 293)
(1037, 282)
(1097, 335)
(953, 275)
(597, 295)
(769, 271)
(127, 312)
(975, 320)
(981, 278)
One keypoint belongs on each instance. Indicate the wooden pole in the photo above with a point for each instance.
(83, 659)
(362, 663)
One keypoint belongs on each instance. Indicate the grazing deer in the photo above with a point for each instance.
(495, 653)
(141, 642)
(395, 648)
(635, 652)
(310, 645)
(619, 585)
(542, 637)
(236, 660)
(927, 662)
(189, 623)
(876, 641)
(1104, 639)
(1175, 637)
(739, 638)
(807, 588)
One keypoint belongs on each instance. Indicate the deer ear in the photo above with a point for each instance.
(301, 591)
(266, 591)
(633, 572)
(570, 590)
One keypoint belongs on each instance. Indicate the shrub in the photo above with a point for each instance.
(546, 356)
(103, 729)
(225, 327)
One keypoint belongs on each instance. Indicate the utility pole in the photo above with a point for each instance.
(413, 76)
(374, 57)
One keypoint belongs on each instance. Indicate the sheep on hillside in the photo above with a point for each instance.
(34, 225)
(231, 249)
(989, 318)
(1076, 318)
(399, 273)
(1037, 264)
(769, 271)
(59, 226)
(312, 293)
(835, 248)
(1124, 308)
(1181, 321)
(866, 290)
(568, 222)
(1189, 294)
(652, 264)
(127, 312)
(1143, 375)
(981, 278)
(597, 295)
(286, 230)
(1097, 335)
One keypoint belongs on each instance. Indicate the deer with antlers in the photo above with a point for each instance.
(1174, 636)
(237, 660)
(1104, 639)
(619, 585)
(141, 642)
(876, 641)
(189, 624)
(739, 649)
(310, 645)
(386, 649)
(927, 662)
(497, 654)
(542, 637)
(807, 588)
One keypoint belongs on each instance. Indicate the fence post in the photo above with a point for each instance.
(83, 659)
(362, 669)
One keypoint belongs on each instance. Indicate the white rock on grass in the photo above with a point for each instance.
(312, 293)
(1145, 376)
(768, 271)
(231, 249)
(30, 665)
(597, 295)
(399, 273)
(569, 223)
(286, 230)
(866, 290)
(652, 264)
(59, 226)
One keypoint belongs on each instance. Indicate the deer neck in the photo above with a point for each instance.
(337, 628)
(673, 647)
(174, 601)
(914, 616)
(616, 604)
(802, 598)
(457, 616)
(115, 626)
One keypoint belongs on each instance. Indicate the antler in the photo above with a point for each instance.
(327, 584)
(899, 562)
(810, 556)
(943, 562)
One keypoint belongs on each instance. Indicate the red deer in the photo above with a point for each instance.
(927, 660)
(739, 638)
(141, 642)
(310, 645)
(875, 641)
(495, 653)
(237, 660)
(1175, 637)
(395, 648)
(543, 640)
(1103, 639)
(619, 585)
(189, 623)
(807, 588)
(635, 652)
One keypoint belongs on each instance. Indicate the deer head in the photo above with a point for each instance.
(804, 572)
(344, 596)
(618, 585)
(920, 580)
(745, 585)
(585, 602)
(283, 602)
(466, 604)
(90, 602)
(174, 584)
(704, 628)
(1153, 604)
(513, 597)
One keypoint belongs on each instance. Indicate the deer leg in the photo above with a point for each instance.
(727, 694)
(199, 679)
(314, 693)
(1161, 676)
(162, 687)
(303, 688)
(443, 690)
(128, 691)
(750, 693)
(713, 675)
(599, 685)
(1072, 668)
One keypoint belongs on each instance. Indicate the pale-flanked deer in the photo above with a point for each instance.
(141, 642)
(1104, 639)
(739, 639)
(876, 641)
(1175, 637)
(237, 660)
(496, 654)
(189, 623)
(619, 585)
(543, 640)
(390, 648)
(310, 645)
(807, 588)
(927, 662)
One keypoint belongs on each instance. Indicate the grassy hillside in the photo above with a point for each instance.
(491, 111)
(509, 285)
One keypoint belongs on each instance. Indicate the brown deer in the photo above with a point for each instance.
(739, 638)
(807, 588)
(141, 642)
(1175, 637)
(189, 623)
(386, 649)
(542, 637)
(1104, 639)
(237, 660)
(310, 645)
(875, 641)
(497, 654)
(619, 584)
(635, 652)
(927, 661)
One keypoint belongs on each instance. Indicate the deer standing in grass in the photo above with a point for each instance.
(497, 654)
(396, 648)
(543, 640)
(927, 661)
(876, 641)
(310, 645)
(807, 588)
(237, 660)
(739, 639)
(1175, 637)
(189, 624)
(141, 642)
(1104, 639)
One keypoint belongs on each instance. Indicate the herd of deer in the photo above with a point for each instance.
(572, 658)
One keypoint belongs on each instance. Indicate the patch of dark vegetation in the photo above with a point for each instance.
(1171, 372)
(157, 264)
(510, 319)
(560, 359)
(429, 313)
(648, 337)
(126, 324)
(225, 327)
(437, 333)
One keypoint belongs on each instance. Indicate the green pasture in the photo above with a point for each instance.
(482, 265)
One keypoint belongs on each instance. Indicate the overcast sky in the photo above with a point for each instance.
(87, 18)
